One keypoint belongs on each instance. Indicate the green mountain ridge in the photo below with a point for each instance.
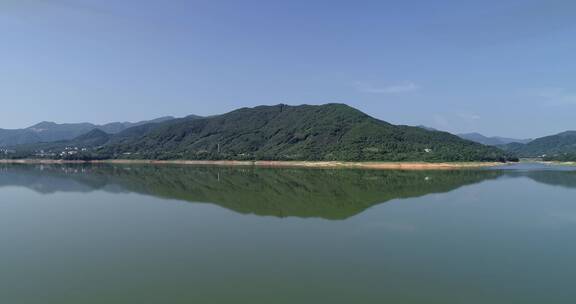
(561, 146)
(281, 132)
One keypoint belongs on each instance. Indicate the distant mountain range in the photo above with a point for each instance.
(561, 146)
(492, 141)
(50, 131)
(281, 132)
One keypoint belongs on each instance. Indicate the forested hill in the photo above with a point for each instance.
(282, 132)
(561, 146)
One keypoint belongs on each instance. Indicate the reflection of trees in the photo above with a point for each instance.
(330, 194)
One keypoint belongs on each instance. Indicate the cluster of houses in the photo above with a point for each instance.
(68, 151)
(6, 151)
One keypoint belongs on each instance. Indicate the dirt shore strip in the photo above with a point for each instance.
(304, 164)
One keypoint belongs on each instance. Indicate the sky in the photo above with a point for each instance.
(496, 67)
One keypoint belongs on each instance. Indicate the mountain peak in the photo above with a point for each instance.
(92, 134)
(567, 133)
(43, 125)
(302, 132)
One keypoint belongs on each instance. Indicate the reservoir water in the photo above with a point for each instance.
(175, 234)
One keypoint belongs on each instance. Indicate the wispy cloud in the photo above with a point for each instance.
(440, 121)
(455, 120)
(397, 88)
(468, 116)
(553, 96)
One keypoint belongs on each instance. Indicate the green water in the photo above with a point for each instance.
(152, 234)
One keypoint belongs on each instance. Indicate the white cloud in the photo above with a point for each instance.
(397, 88)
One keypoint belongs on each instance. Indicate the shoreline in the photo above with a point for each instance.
(558, 163)
(275, 164)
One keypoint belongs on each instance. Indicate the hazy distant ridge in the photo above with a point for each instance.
(50, 131)
(561, 146)
(492, 141)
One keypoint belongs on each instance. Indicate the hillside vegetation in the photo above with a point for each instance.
(556, 147)
(281, 132)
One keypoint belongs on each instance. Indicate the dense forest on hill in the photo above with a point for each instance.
(561, 147)
(328, 132)
(281, 132)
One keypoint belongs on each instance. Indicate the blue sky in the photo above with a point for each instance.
(497, 67)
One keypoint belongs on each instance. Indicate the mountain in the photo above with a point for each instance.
(281, 132)
(561, 146)
(83, 144)
(143, 129)
(492, 141)
(427, 128)
(50, 132)
(117, 127)
(93, 138)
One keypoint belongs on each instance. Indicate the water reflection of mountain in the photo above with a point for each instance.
(330, 194)
(566, 179)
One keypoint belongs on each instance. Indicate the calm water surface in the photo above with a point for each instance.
(144, 234)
